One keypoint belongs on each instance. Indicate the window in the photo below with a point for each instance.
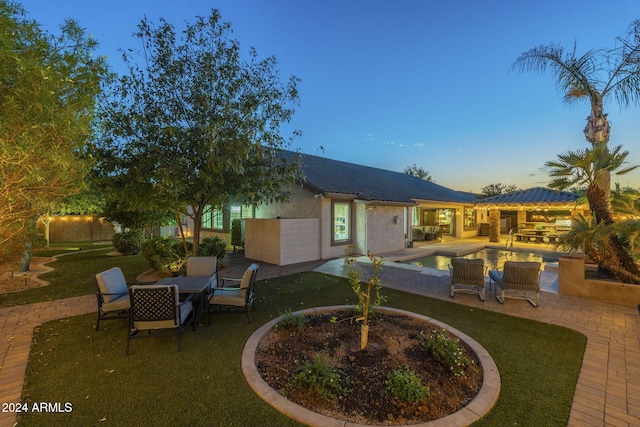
(415, 216)
(212, 218)
(241, 212)
(470, 222)
(341, 223)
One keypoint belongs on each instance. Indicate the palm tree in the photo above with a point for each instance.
(598, 237)
(597, 76)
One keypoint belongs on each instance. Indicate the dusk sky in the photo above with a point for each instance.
(393, 83)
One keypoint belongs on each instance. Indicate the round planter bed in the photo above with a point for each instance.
(471, 412)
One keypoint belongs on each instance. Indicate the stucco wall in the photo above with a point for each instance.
(78, 228)
(385, 229)
(282, 241)
(571, 281)
(304, 204)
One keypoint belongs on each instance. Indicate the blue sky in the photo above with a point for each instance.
(394, 83)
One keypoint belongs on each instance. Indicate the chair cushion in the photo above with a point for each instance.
(495, 275)
(112, 281)
(118, 304)
(201, 266)
(222, 296)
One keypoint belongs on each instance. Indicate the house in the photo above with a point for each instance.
(341, 204)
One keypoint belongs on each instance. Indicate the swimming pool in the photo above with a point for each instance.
(494, 258)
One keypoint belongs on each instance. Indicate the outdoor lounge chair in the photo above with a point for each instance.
(468, 276)
(113, 295)
(516, 280)
(241, 295)
(157, 307)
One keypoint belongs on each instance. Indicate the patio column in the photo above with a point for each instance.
(494, 225)
(522, 217)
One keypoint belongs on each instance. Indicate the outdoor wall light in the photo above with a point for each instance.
(395, 219)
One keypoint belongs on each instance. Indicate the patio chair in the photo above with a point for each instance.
(200, 266)
(241, 295)
(112, 295)
(517, 279)
(158, 307)
(468, 276)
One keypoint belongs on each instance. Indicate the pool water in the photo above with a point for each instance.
(494, 258)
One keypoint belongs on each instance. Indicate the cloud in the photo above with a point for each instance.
(418, 144)
(389, 143)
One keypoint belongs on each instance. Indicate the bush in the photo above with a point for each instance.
(321, 377)
(164, 254)
(213, 246)
(128, 243)
(237, 238)
(405, 386)
(448, 352)
(293, 321)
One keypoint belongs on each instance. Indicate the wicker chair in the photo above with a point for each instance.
(157, 307)
(239, 296)
(516, 280)
(468, 276)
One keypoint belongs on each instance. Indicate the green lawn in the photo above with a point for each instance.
(74, 274)
(204, 385)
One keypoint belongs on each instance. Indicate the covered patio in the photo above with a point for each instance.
(535, 215)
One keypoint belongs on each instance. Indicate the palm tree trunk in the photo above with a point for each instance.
(618, 259)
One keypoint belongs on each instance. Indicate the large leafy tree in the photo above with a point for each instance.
(192, 123)
(48, 86)
(418, 172)
(497, 189)
(600, 236)
(597, 76)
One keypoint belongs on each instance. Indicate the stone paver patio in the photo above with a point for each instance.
(608, 389)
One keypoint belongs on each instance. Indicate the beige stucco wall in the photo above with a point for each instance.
(383, 233)
(571, 281)
(282, 241)
(304, 204)
(77, 228)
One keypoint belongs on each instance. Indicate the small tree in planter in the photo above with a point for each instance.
(365, 304)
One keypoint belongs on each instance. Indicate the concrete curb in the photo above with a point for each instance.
(476, 409)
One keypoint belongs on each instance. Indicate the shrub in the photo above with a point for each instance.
(213, 246)
(293, 321)
(164, 254)
(237, 238)
(319, 375)
(405, 386)
(128, 242)
(447, 351)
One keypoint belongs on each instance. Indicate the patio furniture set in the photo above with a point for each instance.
(174, 303)
(517, 280)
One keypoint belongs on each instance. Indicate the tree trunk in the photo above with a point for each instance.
(598, 131)
(182, 236)
(618, 260)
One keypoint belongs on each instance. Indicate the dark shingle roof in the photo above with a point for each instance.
(332, 176)
(536, 195)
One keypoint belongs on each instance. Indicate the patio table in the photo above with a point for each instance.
(196, 286)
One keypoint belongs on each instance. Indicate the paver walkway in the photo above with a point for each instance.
(608, 390)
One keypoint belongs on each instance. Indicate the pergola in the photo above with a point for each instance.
(538, 199)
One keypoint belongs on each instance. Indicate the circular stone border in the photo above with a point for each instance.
(473, 411)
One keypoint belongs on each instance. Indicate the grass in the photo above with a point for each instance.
(74, 275)
(203, 385)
